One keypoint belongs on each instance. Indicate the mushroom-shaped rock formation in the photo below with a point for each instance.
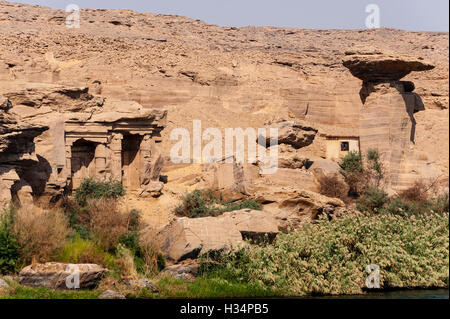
(387, 121)
(372, 65)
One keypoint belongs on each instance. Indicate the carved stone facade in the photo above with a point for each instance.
(122, 150)
(57, 149)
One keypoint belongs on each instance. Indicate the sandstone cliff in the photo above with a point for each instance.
(228, 77)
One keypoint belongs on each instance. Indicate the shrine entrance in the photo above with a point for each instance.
(131, 161)
(82, 161)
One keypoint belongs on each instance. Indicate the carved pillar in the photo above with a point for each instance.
(100, 162)
(145, 168)
(69, 162)
(116, 156)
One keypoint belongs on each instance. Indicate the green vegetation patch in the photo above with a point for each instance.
(330, 257)
(204, 203)
(91, 189)
(9, 245)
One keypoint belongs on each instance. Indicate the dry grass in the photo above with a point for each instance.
(418, 192)
(107, 223)
(41, 234)
(150, 251)
(125, 263)
(333, 186)
(101, 220)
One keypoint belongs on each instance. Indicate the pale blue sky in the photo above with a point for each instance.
(416, 15)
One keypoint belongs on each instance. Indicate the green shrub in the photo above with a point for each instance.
(206, 203)
(360, 174)
(197, 204)
(80, 250)
(372, 200)
(330, 257)
(9, 245)
(91, 189)
(352, 162)
(375, 167)
(78, 218)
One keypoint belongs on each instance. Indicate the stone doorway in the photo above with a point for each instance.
(82, 162)
(131, 161)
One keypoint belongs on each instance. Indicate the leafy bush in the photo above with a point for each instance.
(397, 206)
(330, 257)
(352, 162)
(113, 231)
(400, 206)
(40, 234)
(197, 204)
(375, 167)
(101, 220)
(372, 200)
(91, 189)
(206, 203)
(151, 253)
(362, 175)
(9, 245)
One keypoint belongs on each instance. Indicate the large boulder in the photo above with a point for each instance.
(253, 224)
(62, 276)
(234, 180)
(292, 207)
(289, 157)
(296, 134)
(374, 65)
(187, 238)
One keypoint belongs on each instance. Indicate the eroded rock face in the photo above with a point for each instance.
(17, 152)
(292, 208)
(55, 275)
(58, 98)
(371, 65)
